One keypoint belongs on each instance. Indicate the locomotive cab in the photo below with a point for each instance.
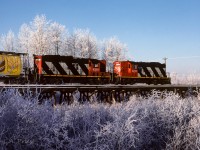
(123, 70)
(38, 67)
(97, 68)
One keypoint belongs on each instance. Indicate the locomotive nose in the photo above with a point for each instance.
(117, 68)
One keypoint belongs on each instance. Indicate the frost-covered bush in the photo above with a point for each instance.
(161, 121)
(24, 124)
(189, 79)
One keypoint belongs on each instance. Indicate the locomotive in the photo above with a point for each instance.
(57, 69)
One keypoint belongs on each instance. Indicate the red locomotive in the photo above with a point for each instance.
(67, 69)
(129, 72)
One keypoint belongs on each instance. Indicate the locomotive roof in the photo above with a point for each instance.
(12, 53)
(152, 62)
(62, 57)
(137, 62)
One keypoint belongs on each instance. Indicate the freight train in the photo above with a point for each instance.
(56, 69)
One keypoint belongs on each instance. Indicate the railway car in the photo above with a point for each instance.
(67, 69)
(130, 72)
(12, 67)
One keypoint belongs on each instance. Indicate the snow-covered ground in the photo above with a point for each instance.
(161, 121)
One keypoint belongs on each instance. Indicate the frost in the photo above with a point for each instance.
(161, 120)
(8, 42)
(188, 79)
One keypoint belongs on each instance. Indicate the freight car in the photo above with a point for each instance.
(13, 67)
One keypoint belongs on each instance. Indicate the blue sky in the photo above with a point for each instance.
(152, 29)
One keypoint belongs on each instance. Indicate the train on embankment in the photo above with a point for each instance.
(57, 69)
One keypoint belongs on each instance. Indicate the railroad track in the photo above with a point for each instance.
(102, 87)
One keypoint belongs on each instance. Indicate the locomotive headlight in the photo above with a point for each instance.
(39, 59)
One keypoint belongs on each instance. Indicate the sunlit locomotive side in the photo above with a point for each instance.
(67, 69)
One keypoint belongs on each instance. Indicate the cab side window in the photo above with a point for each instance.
(135, 67)
(96, 65)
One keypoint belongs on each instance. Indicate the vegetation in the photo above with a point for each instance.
(188, 79)
(160, 121)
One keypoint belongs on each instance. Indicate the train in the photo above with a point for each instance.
(58, 69)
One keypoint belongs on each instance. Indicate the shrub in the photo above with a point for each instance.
(161, 121)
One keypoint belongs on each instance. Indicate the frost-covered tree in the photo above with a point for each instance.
(82, 43)
(87, 44)
(39, 35)
(72, 45)
(66, 46)
(8, 42)
(24, 38)
(57, 34)
(1, 47)
(33, 37)
(42, 37)
(112, 50)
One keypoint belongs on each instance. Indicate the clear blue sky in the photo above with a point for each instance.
(152, 29)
